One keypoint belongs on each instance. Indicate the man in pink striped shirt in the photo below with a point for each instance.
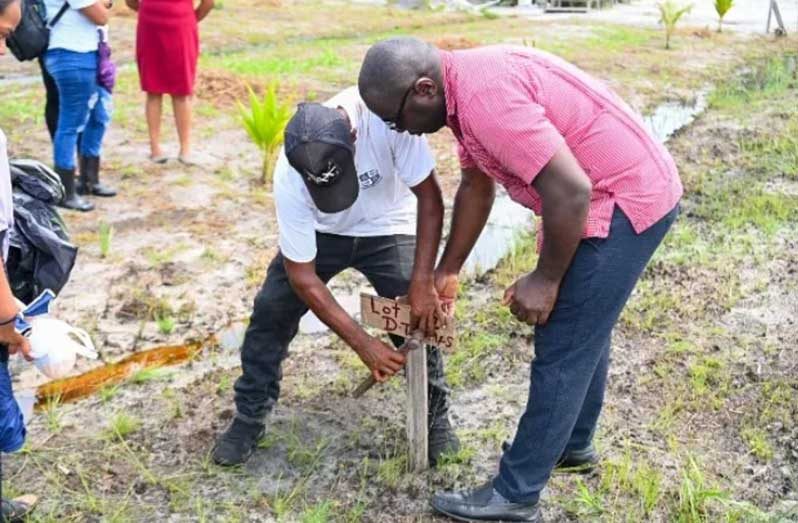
(564, 145)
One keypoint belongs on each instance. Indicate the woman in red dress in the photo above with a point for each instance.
(167, 46)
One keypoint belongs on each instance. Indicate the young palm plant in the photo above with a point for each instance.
(722, 7)
(670, 12)
(265, 120)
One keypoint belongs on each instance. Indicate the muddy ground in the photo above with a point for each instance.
(700, 421)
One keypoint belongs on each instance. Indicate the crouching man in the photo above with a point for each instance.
(344, 191)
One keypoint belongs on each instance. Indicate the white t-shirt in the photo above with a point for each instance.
(6, 201)
(74, 31)
(388, 164)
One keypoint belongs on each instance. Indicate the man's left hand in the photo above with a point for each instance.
(532, 297)
(425, 307)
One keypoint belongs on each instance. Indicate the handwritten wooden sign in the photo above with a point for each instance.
(394, 318)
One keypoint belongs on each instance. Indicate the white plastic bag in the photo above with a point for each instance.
(55, 345)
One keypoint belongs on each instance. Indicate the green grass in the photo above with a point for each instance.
(467, 365)
(754, 87)
(152, 374)
(757, 441)
(271, 64)
(105, 235)
(122, 425)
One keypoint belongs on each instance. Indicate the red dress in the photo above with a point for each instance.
(167, 46)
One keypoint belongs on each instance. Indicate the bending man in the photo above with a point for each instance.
(344, 192)
(568, 148)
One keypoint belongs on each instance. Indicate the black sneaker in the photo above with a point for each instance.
(236, 444)
(579, 461)
(442, 440)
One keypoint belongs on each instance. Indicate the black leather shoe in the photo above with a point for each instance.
(89, 182)
(442, 440)
(484, 504)
(236, 444)
(577, 461)
(71, 199)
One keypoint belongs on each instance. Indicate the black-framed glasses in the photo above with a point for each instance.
(393, 124)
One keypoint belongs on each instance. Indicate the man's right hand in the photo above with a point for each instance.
(447, 285)
(15, 341)
(380, 358)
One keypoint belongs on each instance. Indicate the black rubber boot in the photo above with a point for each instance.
(89, 182)
(71, 199)
(442, 440)
(235, 445)
(17, 510)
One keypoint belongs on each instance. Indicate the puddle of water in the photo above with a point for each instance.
(672, 116)
(506, 222)
(311, 324)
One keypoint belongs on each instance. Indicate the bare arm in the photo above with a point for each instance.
(379, 357)
(96, 12)
(422, 296)
(203, 9)
(8, 309)
(472, 205)
(565, 191)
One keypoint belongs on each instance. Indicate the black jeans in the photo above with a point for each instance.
(51, 105)
(386, 261)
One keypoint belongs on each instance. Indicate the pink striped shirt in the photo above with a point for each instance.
(512, 108)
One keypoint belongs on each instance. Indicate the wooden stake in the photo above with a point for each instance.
(417, 409)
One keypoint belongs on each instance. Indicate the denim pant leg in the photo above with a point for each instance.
(569, 350)
(75, 76)
(585, 427)
(387, 262)
(273, 324)
(91, 143)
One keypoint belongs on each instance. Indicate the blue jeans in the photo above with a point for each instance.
(85, 107)
(572, 353)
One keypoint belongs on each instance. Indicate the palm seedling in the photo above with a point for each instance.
(670, 13)
(722, 7)
(265, 120)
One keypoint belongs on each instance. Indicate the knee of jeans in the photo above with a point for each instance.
(273, 308)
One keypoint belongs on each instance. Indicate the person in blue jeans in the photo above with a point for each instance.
(84, 106)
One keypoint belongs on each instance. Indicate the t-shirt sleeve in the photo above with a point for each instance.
(513, 129)
(412, 157)
(80, 4)
(295, 218)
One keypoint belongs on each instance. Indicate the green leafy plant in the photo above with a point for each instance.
(265, 120)
(670, 12)
(166, 324)
(722, 7)
(106, 234)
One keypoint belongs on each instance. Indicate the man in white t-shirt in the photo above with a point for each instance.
(342, 205)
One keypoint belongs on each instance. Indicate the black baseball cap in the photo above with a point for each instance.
(318, 144)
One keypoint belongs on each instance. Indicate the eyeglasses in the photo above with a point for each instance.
(393, 124)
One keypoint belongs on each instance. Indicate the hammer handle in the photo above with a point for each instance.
(411, 343)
